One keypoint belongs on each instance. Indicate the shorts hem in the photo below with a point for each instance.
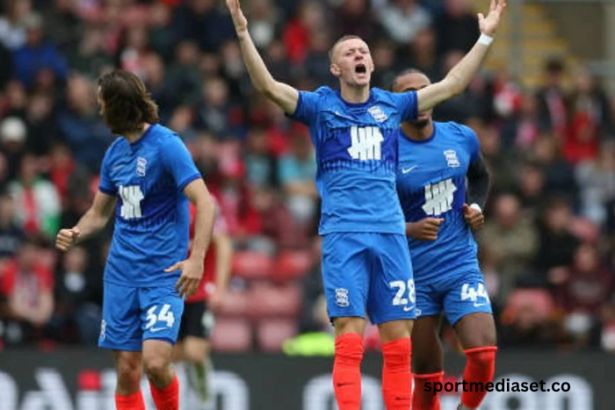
(380, 321)
(458, 318)
(162, 339)
(131, 348)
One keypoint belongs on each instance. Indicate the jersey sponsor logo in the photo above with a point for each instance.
(409, 169)
(439, 197)
(451, 158)
(131, 201)
(377, 113)
(366, 143)
(341, 297)
(141, 165)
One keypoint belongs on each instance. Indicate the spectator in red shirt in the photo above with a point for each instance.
(198, 318)
(27, 287)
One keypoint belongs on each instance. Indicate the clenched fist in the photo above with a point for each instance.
(67, 238)
(425, 229)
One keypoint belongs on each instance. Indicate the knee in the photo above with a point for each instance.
(129, 374)
(156, 367)
(345, 325)
(396, 330)
(195, 355)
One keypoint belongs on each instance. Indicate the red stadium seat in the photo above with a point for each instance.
(235, 303)
(277, 301)
(539, 300)
(252, 265)
(232, 335)
(271, 333)
(293, 264)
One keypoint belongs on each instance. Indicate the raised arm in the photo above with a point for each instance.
(90, 223)
(461, 75)
(282, 94)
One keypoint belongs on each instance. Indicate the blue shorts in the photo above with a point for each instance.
(456, 295)
(368, 273)
(132, 315)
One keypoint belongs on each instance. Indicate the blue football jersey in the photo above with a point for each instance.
(431, 182)
(357, 154)
(152, 216)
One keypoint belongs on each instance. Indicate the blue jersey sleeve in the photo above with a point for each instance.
(472, 142)
(106, 185)
(308, 106)
(407, 103)
(178, 161)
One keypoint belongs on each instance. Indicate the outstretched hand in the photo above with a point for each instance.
(192, 272)
(239, 20)
(488, 25)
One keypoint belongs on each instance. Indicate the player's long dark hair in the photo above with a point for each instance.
(127, 105)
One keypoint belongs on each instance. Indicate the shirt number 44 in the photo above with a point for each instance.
(472, 294)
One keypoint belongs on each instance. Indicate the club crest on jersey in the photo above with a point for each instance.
(377, 113)
(141, 163)
(451, 158)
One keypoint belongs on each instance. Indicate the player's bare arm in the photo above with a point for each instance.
(425, 229)
(90, 223)
(192, 268)
(461, 75)
(224, 256)
(285, 96)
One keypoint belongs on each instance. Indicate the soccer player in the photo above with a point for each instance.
(366, 262)
(198, 319)
(147, 179)
(435, 159)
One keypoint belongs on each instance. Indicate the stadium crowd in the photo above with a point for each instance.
(547, 249)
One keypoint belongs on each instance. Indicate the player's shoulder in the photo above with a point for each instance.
(454, 128)
(163, 136)
(325, 92)
(116, 147)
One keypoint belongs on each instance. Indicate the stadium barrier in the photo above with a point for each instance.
(84, 380)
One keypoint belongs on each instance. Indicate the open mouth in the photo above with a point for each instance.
(360, 69)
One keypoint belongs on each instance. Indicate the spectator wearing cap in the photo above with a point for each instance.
(13, 134)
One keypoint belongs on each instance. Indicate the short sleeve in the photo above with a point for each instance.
(473, 145)
(106, 185)
(178, 161)
(407, 103)
(308, 106)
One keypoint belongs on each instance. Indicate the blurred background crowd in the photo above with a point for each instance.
(547, 249)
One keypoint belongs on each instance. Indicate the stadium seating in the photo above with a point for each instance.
(268, 300)
(232, 335)
(539, 300)
(253, 265)
(292, 265)
(271, 333)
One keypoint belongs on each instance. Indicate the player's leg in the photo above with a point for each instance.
(391, 305)
(427, 361)
(346, 280)
(198, 323)
(427, 355)
(128, 367)
(161, 312)
(468, 308)
(121, 332)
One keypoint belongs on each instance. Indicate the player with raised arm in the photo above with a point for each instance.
(366, 262)
(435, 160)
(148, 179)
